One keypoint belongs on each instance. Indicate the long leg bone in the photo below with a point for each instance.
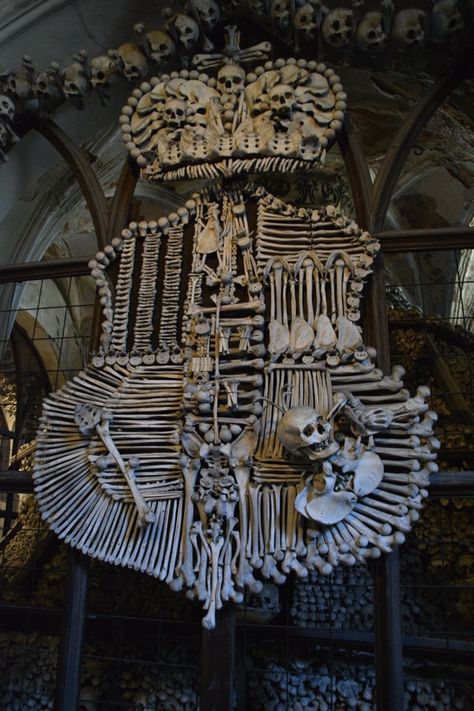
(89, 418)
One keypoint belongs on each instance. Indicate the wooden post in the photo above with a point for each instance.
(386, 569)
(68, 674)
(217, 663)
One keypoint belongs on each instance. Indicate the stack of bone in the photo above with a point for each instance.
(28, 668)
(30, 530)
(345, 602)
(308, 687)
(159, 688)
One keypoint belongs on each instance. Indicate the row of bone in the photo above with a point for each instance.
(342, 27)
(116, 315)
(172, 288)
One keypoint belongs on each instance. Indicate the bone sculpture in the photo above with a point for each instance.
(233, 426)
(310, 26)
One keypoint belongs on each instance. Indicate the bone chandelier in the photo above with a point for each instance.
(233, 426)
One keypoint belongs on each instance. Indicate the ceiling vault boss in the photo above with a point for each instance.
(234, 426)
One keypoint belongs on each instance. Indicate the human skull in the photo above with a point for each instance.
(4, 135)
(446, 21)
(134, 64)
(408, 28)
(370, 35)
(161, 46)
(20, 84)
(305, 20)
(230, 79)
(187, 29)
(46, 86)
(104, 70)
(257, 6)
(302, 430)
(266, 600)
(282, 99)
(209, 13)
(280, 11)
(7, 108)
(175, 113)
(75, 81)
(337, 27)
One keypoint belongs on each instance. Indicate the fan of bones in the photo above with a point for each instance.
(234, 426)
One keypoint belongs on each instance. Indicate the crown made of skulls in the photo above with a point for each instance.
(218, 119)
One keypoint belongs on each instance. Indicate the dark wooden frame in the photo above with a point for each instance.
(371, 201)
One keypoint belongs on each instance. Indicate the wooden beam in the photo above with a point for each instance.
(68, 675)
(386, 569)
(47, 269)
(429, 240)
(397, 153)
(217, 663)
(78, 162)
(358, 172)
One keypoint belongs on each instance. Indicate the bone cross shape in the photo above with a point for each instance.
(89, 418)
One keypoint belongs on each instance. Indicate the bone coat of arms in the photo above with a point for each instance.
(234, 426)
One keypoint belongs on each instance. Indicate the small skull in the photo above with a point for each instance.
(20, 84)
(161, 46)
(209, 13)
(446, 21)
(337, 27)
(230, 79)
(305, 20)
(408, 29)
(4, 135)
(302, 430)
(371, 35)
(175, 113)
(187, 29)
(104, 70)
(280, 11)
(134, 63)
(47, 86)
(75, 81)
(7, 108)
(282, 99)
(257, 6)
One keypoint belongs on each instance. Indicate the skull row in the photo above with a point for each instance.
(130, 60)
(339, 27)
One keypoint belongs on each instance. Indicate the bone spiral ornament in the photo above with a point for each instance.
(234, 427)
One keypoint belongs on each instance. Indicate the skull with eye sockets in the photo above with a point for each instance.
(7, 108)
(175, 113)
(282, 99)
(302, 430)
(230, 79)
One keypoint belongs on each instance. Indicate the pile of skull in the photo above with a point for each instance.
(288, 109)
(185, 32)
